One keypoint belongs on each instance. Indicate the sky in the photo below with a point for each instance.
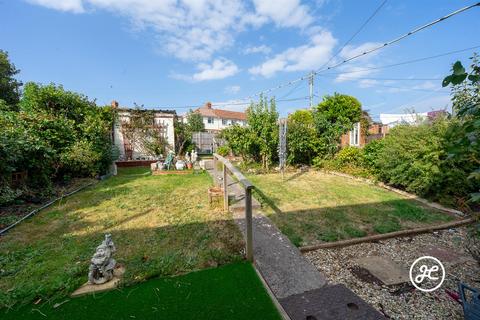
(178, 54)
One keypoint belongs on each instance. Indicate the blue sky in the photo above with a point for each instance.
(172, 54)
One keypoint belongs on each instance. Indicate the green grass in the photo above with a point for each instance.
(229, 292)
(313, 207)
(133, 171)
(161, 226)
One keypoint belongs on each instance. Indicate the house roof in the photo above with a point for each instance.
(208, 111)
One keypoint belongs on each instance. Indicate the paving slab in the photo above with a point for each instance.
(384, 269)
(281, 264)
(445, 255)
(292, 279)
(329, 303)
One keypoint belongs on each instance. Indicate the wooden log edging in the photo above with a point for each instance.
(401, 233)
(48, 204)
(403, 193)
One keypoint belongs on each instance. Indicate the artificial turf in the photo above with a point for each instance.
(233, 292)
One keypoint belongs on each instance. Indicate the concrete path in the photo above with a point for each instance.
(281, 264)
(287, 272)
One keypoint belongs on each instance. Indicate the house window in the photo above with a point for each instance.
(355, 135)
(224, 122)
(234, 122)
(210, 120)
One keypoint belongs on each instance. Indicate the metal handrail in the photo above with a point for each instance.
(248, 186)
(237, 173)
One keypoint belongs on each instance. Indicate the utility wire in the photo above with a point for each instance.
(418, 29)
(412, 32)
(404, 62)
(292, 90)
(386, 79)
(355, 34)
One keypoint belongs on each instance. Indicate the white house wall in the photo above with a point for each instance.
(218, 124)
(164, 119)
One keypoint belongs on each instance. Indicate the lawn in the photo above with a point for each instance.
(228, 292)
(161, 226)
(314, 207)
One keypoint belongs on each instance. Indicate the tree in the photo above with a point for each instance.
(334, 116)
(185, 130)
(466, 107)
(9, 86)
(242, 142)
(195, 122)
(302, 139)
(262, 120)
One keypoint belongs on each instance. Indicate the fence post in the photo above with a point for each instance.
(215, 177)
(225, 191)
(248, 221)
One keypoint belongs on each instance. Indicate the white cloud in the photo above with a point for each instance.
(232, 89)
(219, 69)
(302, 58)
(257, 49)
(356, 69)
(194, 30)
(353, 72)
(74, 6)
(350, 51)
(428, 85)
(285, 13)
(367, 83)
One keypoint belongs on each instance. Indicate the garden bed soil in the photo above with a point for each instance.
(10, 214)
(403, 301)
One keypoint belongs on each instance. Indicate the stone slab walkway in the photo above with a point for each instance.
(286, 271)
(281, 264)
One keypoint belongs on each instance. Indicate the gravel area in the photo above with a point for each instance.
(403, 301)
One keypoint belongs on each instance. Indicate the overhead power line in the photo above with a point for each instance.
(383, 79)
(416, 30)
(404, 62)
(412, 32)
(356, 33)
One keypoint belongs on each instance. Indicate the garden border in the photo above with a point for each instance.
(395, 234)
(48, 204)
(403, 193)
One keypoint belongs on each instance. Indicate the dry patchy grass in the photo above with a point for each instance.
(313, 207)
(161, 225)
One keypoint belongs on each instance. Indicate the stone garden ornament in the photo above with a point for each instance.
(102, 264)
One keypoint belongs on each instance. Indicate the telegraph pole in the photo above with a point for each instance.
(310, 82)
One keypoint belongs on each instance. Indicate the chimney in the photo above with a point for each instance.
(208, 105)
(114, 104)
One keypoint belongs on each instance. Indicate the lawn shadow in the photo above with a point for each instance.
(54, 265)
(332, 223)
(48, 256)
(297, 175)
(326, 224)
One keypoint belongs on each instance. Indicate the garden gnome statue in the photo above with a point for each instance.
(187, 157)
(102, 263)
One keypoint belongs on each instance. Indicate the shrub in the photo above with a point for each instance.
(223, 151)
(302, 139)
(371, 152)
(56, 135)
(416, 158)
(349, 156)
(349, 160)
